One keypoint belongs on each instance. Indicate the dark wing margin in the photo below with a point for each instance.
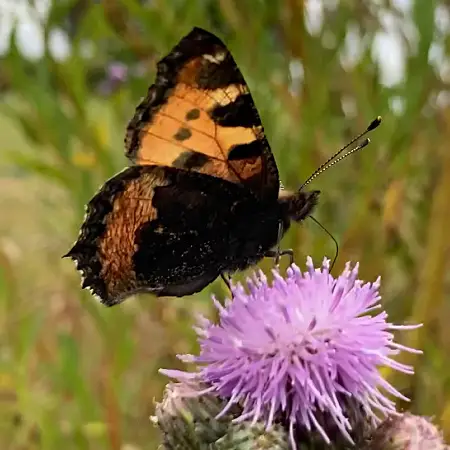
(86, 252)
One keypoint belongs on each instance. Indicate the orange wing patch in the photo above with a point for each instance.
(183, 126)
(130, 210)
(199, 115)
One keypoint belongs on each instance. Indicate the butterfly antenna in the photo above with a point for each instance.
(336, 158)
(336, 253)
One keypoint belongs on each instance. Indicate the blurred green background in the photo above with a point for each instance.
(77, 375)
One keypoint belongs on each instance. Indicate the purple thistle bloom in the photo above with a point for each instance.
(296, 349)
(116, 74)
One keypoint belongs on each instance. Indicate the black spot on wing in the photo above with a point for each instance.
(240, 113)
(182, 134)
(193, 114)
(252, 149)
(190, 160)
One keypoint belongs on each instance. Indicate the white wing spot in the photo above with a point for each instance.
(215, 59)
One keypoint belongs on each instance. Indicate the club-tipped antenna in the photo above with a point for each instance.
(336, 158)
(359, 147)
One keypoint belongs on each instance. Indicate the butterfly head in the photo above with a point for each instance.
(298, 205)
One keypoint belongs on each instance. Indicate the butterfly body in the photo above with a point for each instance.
(203, 197)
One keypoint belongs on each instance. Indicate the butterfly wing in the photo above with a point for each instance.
(161, 230)
(199, 116)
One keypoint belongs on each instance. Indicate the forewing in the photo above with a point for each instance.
(199, 115)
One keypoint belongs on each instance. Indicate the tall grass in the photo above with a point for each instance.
(76, 375)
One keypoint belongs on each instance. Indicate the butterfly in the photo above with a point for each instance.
(203, 197)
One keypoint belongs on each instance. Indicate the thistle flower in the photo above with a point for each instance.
(117, 72)
(116, 75)
(304, 351)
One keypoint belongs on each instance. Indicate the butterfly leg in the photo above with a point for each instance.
(227, 281)
(277, 254)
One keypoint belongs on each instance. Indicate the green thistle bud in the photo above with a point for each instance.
(243, 436)
(187, 420)
(405, 432)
